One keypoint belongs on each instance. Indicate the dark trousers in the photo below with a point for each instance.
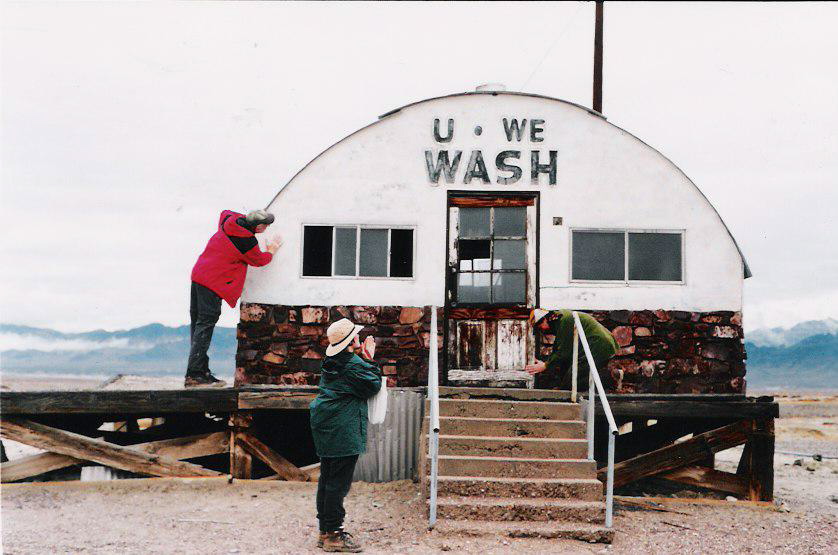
(204, 311)
(333, 485)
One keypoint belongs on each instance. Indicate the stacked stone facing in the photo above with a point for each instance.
(660, 351)
(286, 344)
(669, 351)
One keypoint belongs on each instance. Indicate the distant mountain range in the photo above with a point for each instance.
(804, 356)
(154, 349)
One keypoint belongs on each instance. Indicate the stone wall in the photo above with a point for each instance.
(664, 351)
(286, 344)
(660, 351)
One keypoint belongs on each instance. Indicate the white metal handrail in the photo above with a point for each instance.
(433, 397)
(594, 387)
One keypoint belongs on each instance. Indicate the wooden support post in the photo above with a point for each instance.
(241, 463)
(89, 449)
(680, 454)
(279, 464)
(761, 475)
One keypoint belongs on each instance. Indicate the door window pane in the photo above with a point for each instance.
(373, 253)
(509, 287)
(317, 250)
(598, 255)
(510, 221)
(510, 255)
(474, 253)
(474, 222)
(473, 288)
(655, 256)
(401, 253)
(345, 250)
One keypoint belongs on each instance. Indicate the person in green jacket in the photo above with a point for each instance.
(348, 377)
(557, 370)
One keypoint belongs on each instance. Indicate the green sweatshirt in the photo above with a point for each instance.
(339, 412)
(602, 343)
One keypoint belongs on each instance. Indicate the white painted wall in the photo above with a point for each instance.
(606, 179)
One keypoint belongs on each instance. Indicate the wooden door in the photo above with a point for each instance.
(491, 285)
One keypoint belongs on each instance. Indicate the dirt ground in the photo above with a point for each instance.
(214, 517)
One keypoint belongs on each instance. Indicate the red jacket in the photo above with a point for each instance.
(222, 266)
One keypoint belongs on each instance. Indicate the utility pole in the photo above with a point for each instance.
(598, 58)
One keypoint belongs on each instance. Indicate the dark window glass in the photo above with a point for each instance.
(401, 253)
(317, 250)
(510, 221)
(345, 250)
(373, 261)
(473, 287)
(598, 255)
(509, 287)
(474, 222)
(655, 256)
(474, 254)
(510, 255)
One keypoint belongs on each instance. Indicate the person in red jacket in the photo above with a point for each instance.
(219, 274)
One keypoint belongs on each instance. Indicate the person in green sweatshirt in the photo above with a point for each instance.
(556, 371)
(348, 377)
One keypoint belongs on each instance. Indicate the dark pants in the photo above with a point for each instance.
(562, 378)
(204, 311)
(333, 485)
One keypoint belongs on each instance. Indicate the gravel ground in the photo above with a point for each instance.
(214, 517)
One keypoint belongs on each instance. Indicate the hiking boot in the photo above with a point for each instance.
(321, 538)
(341, 542)
(203, 380)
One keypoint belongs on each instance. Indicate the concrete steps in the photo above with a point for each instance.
(585, 489)
(490, 408)
(515, 467)
(512, 427)
(516, 509)
(492, 446)
(513, 462)
(592, 533)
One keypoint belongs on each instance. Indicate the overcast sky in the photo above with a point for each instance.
(126, 128)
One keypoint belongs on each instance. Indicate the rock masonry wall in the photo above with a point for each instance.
(660, 351)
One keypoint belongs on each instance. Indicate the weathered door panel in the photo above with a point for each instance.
(491, 284)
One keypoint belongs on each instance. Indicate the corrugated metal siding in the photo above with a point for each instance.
(393, 446)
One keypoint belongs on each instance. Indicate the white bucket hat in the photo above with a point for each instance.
(340, 335)
(538, 315)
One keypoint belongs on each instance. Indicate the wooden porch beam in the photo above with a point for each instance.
(82, 447)
(678, 455)
(279, 464)
(709, 478)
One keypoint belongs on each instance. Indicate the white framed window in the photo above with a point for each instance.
(358, 251)
(627, 256)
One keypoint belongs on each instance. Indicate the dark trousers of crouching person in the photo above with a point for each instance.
(339, 427)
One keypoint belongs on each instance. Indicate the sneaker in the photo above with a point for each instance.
(204, 380)
(321, 538)
(341, 542)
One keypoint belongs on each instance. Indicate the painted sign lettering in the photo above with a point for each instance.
(452, 166)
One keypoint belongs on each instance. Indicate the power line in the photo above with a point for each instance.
(555, 41)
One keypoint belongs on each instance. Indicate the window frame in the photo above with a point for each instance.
(626, 281)
(358, 228)
(492, 272)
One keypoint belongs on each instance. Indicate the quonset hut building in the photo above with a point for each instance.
(488, 204)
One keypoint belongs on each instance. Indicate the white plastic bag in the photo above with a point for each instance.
(377, 404)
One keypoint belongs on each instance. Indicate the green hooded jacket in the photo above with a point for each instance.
(339, 412)
(602, 343)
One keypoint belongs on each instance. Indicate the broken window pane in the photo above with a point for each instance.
(510, 255)
(373, 261)
(345, 250)
(401, 253)
(317, 250)
(509, 287)
(599, 255)
(475, 252)
(473, 288)
(510, 221)
(655, 256)
(474, 222)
